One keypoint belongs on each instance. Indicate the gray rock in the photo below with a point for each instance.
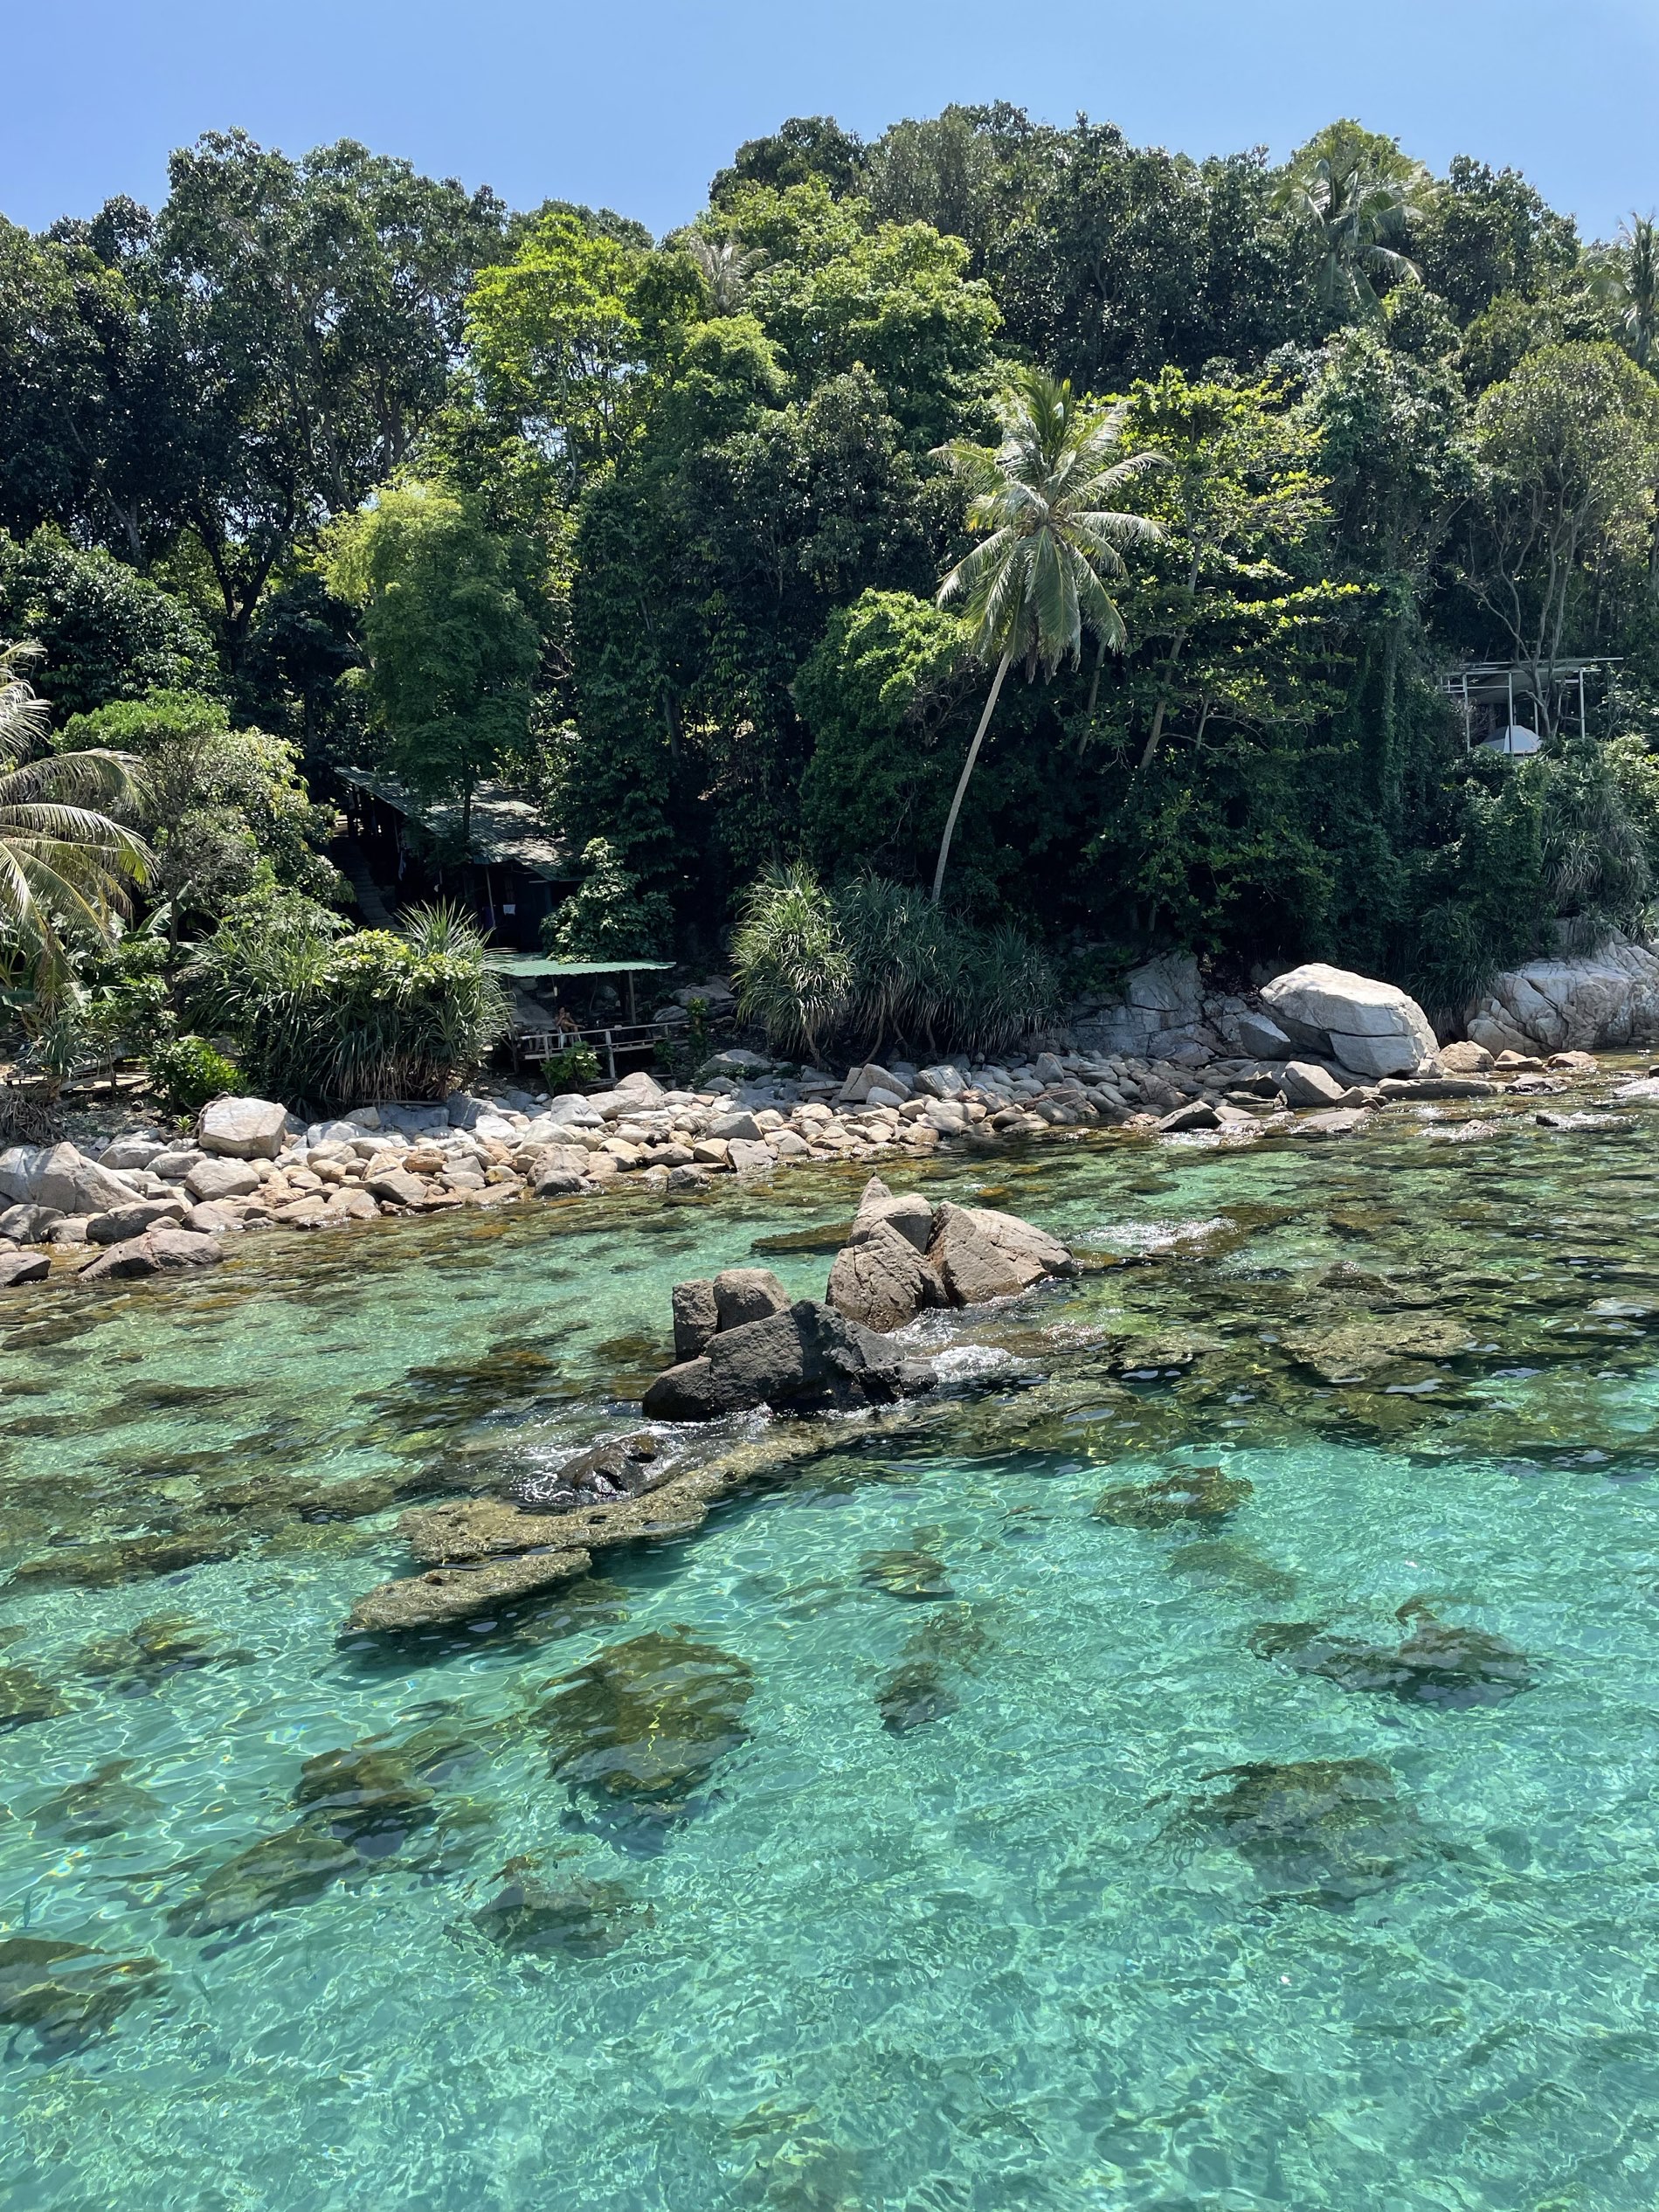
(881, 1280)
(806, 1359)
(221, 1179)
(742, 1295)
(1373, 1029)
(696, 1316)
(1199, 1115)
(1436, 1087)
(124, 1222)
(557, 1182)
(1582, 1001)
(1332, 1122)
(19, 1165)
(66, 1179)
(173, 1166)
(29, 1224)
(128, 1153)
(946, 1080)
(1465, 1059)
(17, 1268)
(739, 1125)
(413, 1121)
(1305, 1083)
(213, 1218)
(71, 1230)
(161, 1251)
(242, 1129)
(750, 1160)
(979, 1254)
(399, 1187)
(1260, 1037)
(462, 1109)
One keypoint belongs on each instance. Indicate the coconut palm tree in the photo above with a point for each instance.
(1356, 222)
(725, 269)
(1033, 585)
(1628, 281)
(62, 861)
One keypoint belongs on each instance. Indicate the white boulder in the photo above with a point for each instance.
(1373, 1029)
(242, 1129)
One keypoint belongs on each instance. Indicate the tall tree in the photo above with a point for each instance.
(1032, 587)
(1355, 221)
(452, 649)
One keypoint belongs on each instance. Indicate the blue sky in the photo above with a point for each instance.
(635, 104)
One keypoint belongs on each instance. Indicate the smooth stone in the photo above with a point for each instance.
(128, 1221)
(221, 1179)
(242, 1129)
(742, 1295)
(160, 1251)
(17, 1268)
(696, 1318)
(980, 1255)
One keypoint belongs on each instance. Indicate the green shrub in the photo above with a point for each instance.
(571, 1069)
(607, 917)
(339, 1020)
(187, 1074)
(874, 964)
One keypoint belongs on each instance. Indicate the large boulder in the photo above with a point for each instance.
(122, 1223)
(67, 1180)
(242, 1129)
(159, 1251)
(17, 1268)
(881, 1280)
(908, 1212)
(1581, 1002)
(979, 1254)
(1373, 1029)
(742, 1295)
(805, 1359)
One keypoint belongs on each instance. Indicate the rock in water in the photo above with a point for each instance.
(159, 1251)
(67, 1993)
(981, 1254)
(459, 1593)
(695, 1316)
(1435, 1665)
(1374, 1029)
(1330, 1828)
(644, 1723)
(909, 1213)
(742, 1295)
(20, 1268)
(806, 1359)
(242, 1129)
(881, 1280)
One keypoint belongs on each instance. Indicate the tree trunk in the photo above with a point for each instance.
(967, 770)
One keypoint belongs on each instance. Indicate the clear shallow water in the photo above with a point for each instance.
(945, 1916)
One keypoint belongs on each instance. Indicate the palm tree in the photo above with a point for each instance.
(1352, 216)
(725, 269)
(61, 860)
(1628, 282)
(1033, 586)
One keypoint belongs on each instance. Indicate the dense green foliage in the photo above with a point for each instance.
(187, 1074)
(340, 1020)
(873, 966)
(655, 531)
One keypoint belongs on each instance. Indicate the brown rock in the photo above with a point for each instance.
(398, 1186)
(162, 1251)
(449, 1593)
(979, 1254)
(882, 1280)
(747, 1294)
(695, 1316)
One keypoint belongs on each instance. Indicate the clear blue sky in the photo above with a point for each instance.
(635, 105)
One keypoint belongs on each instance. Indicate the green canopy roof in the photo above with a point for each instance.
(527, 964)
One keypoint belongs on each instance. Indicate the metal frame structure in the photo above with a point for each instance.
(632, 1035)
(1481, 683)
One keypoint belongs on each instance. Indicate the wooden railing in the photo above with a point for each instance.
(621, 1036)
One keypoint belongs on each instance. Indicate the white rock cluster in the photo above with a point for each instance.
(1586, 1002)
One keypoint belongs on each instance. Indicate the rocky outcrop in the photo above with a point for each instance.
(448, 1593)
(904, 1255)
(62, 1178)
(1581, 1002)
(808, 1358)
(1373, 1028)
(982, 1254)
(242, 1129)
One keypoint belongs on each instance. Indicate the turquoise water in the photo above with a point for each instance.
(929, 1880)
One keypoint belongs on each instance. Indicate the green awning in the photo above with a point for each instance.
(528, 965)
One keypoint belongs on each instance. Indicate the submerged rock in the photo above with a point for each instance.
(448, 1593)
(293, 1867)
(1435, 1665)
(159, 1251)
(906, 1574)
(582, 1920)
(370, 1797)
(25, 1698)
(135, 1559)
(644, 1724)
(67, 1993)
(105, 1804)
(914, 1696)
(620, 1468)
(164, 1644)
(1219, 1559)
(1194, 1494)
(1354, 1351)
(1330, 1828)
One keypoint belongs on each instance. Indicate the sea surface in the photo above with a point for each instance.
(1206, 1756)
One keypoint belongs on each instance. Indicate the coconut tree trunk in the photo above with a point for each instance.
(967, 770)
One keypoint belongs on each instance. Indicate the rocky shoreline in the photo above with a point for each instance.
(147, 1203)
